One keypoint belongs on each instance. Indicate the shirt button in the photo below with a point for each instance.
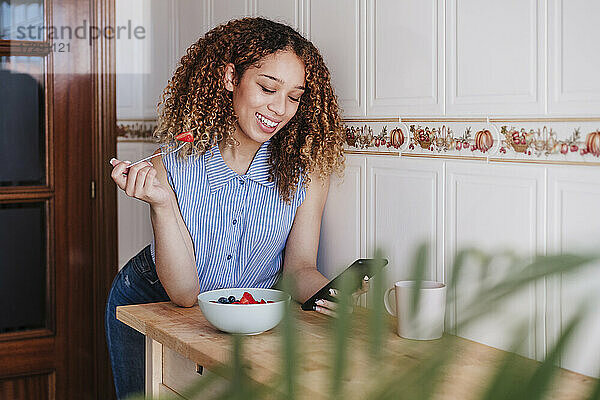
(229, 256)
(241, 181)
(234, 221)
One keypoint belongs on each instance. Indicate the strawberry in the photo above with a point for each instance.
(249, 298)
(185, 137)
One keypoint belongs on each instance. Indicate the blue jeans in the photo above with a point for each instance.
(136, 283)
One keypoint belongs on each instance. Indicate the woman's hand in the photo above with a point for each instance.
(140, 182)
(329, 307)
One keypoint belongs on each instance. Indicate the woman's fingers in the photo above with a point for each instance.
(330, 307)
(327, 304)
(364, 289)
(365, 286)
(325, 311)
(132, 176)
(149, 179)
(140, 180)
(117, 173)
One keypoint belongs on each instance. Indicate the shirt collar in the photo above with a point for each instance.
(219, 173)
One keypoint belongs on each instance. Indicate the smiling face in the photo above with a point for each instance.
(267, 96)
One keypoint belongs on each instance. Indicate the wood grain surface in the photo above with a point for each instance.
(467, 374)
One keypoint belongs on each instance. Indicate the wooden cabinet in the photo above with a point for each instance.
(179, 374)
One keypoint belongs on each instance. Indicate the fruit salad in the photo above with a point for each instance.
(245, 299)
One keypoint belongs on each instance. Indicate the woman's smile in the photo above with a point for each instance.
(266, 124)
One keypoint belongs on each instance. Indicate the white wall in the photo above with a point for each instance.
(134, 228)
(494, 207)
(388, 58)
(528, 64)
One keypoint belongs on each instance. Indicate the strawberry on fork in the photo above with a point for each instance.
(185, 137)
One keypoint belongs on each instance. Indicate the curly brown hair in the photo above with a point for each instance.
(196, 100)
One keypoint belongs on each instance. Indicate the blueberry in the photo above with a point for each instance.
(231, 299)
(223, 300)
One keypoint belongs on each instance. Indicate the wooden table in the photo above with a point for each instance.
(178, 340)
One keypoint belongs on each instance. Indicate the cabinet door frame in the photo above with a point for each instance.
(71, 358)
(105, 260)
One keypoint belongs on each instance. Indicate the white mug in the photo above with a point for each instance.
(426, 322)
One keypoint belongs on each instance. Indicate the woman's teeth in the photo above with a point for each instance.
(267, 122)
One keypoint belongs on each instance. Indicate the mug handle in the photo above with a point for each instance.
(386, 302)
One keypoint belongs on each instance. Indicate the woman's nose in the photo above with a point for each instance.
(277, 105)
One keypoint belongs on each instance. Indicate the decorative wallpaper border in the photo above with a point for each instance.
(519, 140)
(483, 139)
(136, 129)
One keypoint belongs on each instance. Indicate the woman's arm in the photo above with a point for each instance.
(174, 249)
(300, 263)
(175, 260)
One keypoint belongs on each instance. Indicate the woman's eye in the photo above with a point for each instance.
(266, 90)
(295, 100)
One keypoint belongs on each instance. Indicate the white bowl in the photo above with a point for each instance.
(245, 319)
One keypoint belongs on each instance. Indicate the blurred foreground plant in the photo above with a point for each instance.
(514, 379)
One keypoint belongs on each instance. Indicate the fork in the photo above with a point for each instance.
(151, 156)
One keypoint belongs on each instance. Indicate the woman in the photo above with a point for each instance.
(267, 135)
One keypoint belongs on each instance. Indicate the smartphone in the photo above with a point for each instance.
(356, 272)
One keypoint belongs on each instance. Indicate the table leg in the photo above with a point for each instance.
(153, 368)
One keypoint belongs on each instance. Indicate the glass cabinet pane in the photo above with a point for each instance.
(23, 266)
(22, 20)
(22, 121)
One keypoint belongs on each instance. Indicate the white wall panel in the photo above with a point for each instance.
(343, 225)
(336, 27)
(134, 227)
(192, 23)
(221, 11)
(162, 35)
(284, 11)
(574, 226)
(495, 57)
(405, 57)
(405, 199)
(144, 65)
(574, 57)
(495, 208)
(132, 58)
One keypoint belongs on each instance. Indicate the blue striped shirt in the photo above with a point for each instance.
(238, 223)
